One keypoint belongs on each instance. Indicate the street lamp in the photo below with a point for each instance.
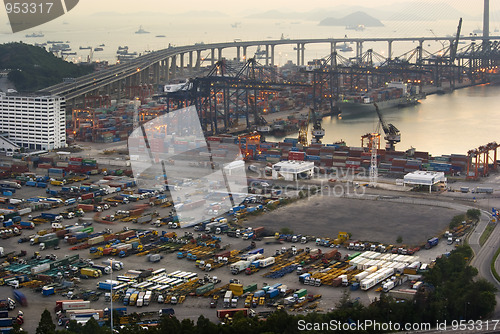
(465, 315)
(111, 295)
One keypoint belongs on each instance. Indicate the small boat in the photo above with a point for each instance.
(358, 27)
(160, 36)
(141, 31)
(98, 49)
(345, 48)
(102, 44)
(35, 34)
(85, 48)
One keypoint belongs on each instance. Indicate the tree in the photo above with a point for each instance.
(457, 221)
(399, 239)
(46, 325)
(286, 230)
(474, 214)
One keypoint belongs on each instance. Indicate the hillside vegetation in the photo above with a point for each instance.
(33, 68)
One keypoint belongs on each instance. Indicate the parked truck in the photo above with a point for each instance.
(50, 243)
(431, 243)
(239, 266)
(227, 298)
(90, 272)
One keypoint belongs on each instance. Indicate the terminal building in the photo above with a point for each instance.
(35, 122)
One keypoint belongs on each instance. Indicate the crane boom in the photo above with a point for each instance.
(454, 46)
(392, 134)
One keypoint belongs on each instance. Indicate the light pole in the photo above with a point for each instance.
(111, 296)
(465, 315)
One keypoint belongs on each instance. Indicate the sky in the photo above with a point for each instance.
(241, 6)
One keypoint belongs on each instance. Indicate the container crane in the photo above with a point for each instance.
(303, 131)
(392, 134)
(317, 131)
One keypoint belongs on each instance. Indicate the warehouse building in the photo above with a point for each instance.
(293, 170)
(36, 122)
(424, 178)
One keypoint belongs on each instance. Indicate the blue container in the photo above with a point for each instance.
(7, 193)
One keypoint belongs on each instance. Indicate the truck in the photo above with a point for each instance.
(145, 219)
(221, 228)
(252, 233)
(227, 298)
(49, 243)
(166, 312)
(104, 269)
(147, 298)
(300, 293)
(431, 243)
(204, 289)
(154, 257)
(263, 263)
(90, 272)
(52, 217)
(387, 286)
(20, 298)
(239, 266)
(222, 314)
(117, 265)
(7, 304)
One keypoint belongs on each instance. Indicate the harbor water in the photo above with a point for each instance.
(440, 124)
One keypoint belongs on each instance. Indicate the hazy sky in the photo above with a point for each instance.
(241, 6)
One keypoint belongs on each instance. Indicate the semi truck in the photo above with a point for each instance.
(239, 266)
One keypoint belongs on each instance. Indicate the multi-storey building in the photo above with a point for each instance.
(35, 122)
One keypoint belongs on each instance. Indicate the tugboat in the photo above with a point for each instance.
(141, 31)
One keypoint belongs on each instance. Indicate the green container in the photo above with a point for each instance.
(353, 256)
(88, 230)
(300, 293)
(204, 289)
(250, 288)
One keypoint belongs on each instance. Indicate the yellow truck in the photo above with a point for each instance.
(95, 273)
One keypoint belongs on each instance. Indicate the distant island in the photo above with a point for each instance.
(354, 19)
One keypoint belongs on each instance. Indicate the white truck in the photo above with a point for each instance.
(227, 298)
(239, 266)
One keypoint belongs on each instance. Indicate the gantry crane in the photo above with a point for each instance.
(392, 134)
(303, 131)
(317, 131)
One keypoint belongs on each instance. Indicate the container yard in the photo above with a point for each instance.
(78, 234)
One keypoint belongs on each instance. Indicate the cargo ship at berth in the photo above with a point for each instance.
(395, 94)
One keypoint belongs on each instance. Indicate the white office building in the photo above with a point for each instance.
(35, 122)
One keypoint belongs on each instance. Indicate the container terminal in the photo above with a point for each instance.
(81, 236)
(79, 233)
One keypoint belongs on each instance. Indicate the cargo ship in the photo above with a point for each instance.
(395, 94)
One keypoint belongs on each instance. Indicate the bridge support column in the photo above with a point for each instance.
(267, 54)
(212, 56)
(181, 56)
(245, 53)
(238, 53)
(118, 90)
(174, 65)
(198, 60)
(359, 49)
(272, 54)
(167, 70)
(302, 51)
(156, 73)
(298, 54)
(219, 54)
(333, 47)
(190, 62)
(421, 50)
(389, 49)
